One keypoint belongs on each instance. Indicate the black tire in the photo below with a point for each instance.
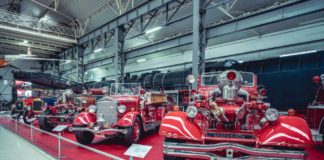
(13, 111)
(167, 157)
(25, 118)
(43, 122)
(321, 127)
(129, 135)
(84, 137)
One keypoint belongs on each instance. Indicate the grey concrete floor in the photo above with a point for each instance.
(13, 147)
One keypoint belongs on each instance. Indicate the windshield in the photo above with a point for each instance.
(125, 89)
(210, 79)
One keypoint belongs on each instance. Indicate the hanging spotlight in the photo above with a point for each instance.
(141, 60)
(98, 50)
(153, 30)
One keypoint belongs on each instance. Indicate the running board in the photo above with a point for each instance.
(151, 126)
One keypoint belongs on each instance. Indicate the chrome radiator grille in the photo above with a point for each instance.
(109, 111)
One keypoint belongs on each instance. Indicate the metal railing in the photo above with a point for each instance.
(58, 136)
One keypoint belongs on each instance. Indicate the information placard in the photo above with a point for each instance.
(138, 150)
(60, 128)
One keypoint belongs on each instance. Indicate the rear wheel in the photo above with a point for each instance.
(27, 115)
(167, 157)
(43, 121)
(84, 137)
(134, 132)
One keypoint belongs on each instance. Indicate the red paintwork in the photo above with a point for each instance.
(56, 110)
(96, 91)
(29, 101)
(85, 118)
(177, 125)
(128, 119)
(315, 111)
(314, 116)
(287, 131)
(136, 107)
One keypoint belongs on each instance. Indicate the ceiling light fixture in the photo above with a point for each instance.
(153, 30)
(141, 60)
(44, 18)
(98, 50)
(240, 61)
(298, 53)
(25, 41)
(67, 61)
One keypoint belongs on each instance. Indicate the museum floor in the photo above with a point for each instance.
(72, 152)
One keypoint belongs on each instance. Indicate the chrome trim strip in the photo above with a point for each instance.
(201, 148)
(123, 131)
(316, 107)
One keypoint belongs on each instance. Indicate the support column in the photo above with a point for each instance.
(199, 39)
(119, 60)
(80, 65)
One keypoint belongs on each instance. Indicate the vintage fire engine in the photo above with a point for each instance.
(27, 108)
(315, 112)
(128, 112)
(228, 118)
(64, 111)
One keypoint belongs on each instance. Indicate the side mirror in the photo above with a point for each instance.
(190, 79)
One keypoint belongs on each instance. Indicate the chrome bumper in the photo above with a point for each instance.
(109, 131)
(203, 151)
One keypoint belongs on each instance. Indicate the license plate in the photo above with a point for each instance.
(230, 135)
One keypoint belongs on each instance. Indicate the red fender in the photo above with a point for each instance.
(127, 120)
(178, 125)
(85, 118)
(287, 131)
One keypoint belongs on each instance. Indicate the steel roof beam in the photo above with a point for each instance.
(272, 16)
(23, 50)
(129, 16)
(29, 44)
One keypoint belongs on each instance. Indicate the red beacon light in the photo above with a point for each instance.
(231, 75)
(317, 79)
(263, 92)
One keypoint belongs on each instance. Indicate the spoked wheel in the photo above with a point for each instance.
(27, 115)
(84, 137)
(43, 121)
(134, 132)
(167, 157)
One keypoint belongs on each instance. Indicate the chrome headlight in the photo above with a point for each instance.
(121, 108)
(240, 113)
(271, 114)
(92, 108)
(192, 111)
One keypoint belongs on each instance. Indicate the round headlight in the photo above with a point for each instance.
(240, 113)
(271, 114)
(192, 111)
(121, 108)
(92, 108)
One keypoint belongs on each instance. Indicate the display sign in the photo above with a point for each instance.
(60, 128)
(31, 120)
(138, 150)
